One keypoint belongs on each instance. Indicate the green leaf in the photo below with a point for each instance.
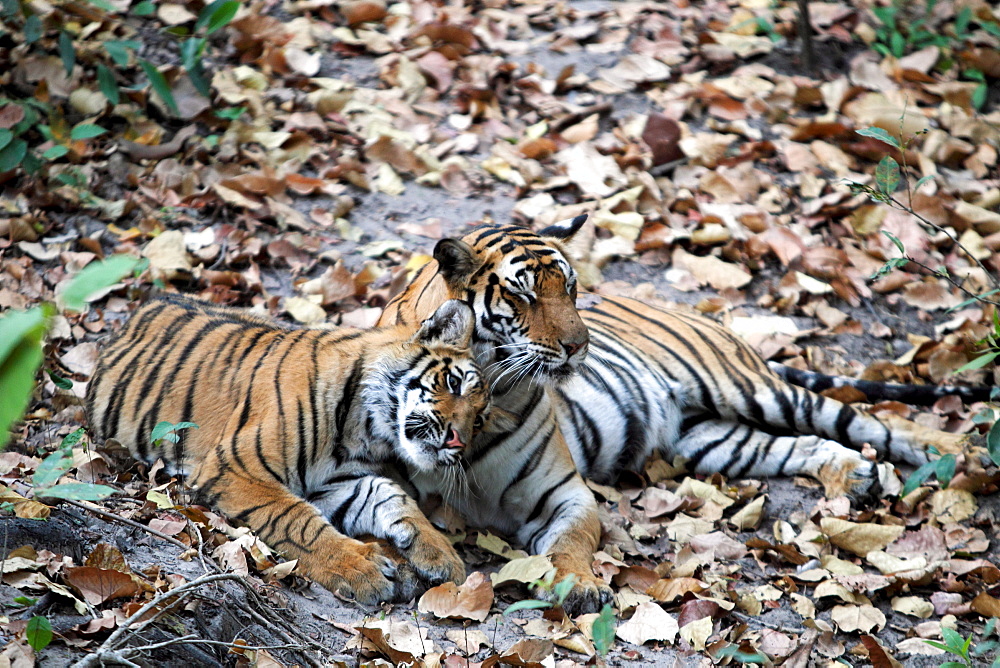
(71, 439)
(954, 664)
(25, 600)
(103, 4)
(918, 477)
(55, 465)
(897, 44)
(33, 29)
(167, 431)
(95, 277)
(979, 95)
(108, 85)
(160, 85)
(603, 630)
(979, 362)
(217, 15)
(145, 8)
(66, 52)
(21, 334)
(881, 135)
(230, 114)
(6, 137)
(38, 632)
(895, 240)
(564, 587)
(922, 181)
(944, 470)
(55, 152)
(86, 131)
(118, 50)
(734, 652)
(528, 604)
(12, 155)
(962, 22)
(61, 383)
(77, 491)
(990, 626)
(197, 77)
(887, 175)
(952, 639)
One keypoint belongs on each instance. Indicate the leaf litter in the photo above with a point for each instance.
(341, 139)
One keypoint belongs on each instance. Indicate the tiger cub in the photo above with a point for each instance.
(308, 436)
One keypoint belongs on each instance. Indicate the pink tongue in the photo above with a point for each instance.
(454, 441)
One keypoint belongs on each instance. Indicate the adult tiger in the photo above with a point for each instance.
(306, 435)
(654, 379)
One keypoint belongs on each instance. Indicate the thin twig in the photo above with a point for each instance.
(951, 235)
(132, 523)
(109, 645)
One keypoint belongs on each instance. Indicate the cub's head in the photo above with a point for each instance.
(431, 391)
(523, 292)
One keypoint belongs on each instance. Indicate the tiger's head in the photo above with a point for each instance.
(428, 393)
(522, 290)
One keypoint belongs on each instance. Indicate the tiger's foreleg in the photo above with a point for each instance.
(738, 450)
(360, 502)
(567, 530)
(297, 528)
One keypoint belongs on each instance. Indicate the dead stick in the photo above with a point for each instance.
(805, 37)
(132, 523)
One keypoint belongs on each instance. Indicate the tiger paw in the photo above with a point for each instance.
(428, 551)
(589, 593)
(858, 480)
(354, 570)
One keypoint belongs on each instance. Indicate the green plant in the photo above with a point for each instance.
(961, 647)
(743, 654)
(167, 431)
(603, 630)
(56, 465)
(559, 592)
(22, 334)
(897, 35)
(942, 468)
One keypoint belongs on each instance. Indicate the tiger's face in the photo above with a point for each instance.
(523, 293)
(432, 391)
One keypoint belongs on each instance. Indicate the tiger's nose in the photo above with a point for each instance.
(572, 348)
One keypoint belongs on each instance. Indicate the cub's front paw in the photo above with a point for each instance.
(354, 570)
(436, 560)
(858, 479)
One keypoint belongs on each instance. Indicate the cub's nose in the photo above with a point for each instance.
(454, 440)
(573, 347)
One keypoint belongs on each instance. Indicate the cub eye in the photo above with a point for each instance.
(478, 422)
(454, 384)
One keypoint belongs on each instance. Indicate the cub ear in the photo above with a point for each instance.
(501, 421)
(451, 325)
(565, 229)
(456, 261)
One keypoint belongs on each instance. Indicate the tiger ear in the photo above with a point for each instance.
(565, 229)
(456, 261)
(451, 325)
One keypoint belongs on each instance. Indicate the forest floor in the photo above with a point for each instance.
(342, 139)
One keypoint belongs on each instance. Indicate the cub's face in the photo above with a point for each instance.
(523, 293)
(427, 395)
(441, 411)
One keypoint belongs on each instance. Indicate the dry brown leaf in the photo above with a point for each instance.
(709, 270)
(650, 622)
(471, 600)
(523, 570)
(859, 538)
(98, 585)
(862, 618)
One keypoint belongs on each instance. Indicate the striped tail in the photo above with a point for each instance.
(916, 395)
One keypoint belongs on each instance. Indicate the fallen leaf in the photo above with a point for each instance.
(471, 600)
(859, 538)
(650, 622)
